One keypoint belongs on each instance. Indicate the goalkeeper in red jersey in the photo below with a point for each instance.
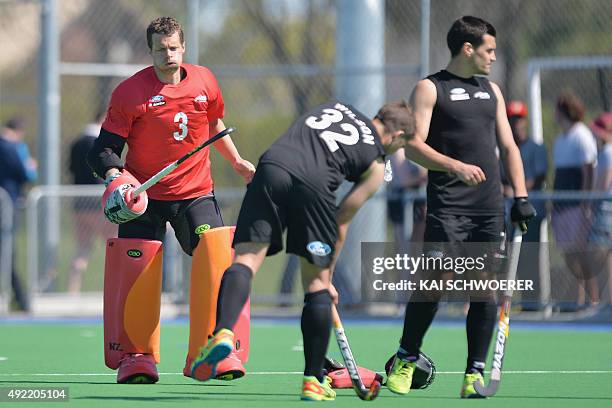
(161, 113)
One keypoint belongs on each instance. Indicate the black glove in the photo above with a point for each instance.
(521, 212)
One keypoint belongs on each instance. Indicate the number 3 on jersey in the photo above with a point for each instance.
(329, 117)
(181, 119)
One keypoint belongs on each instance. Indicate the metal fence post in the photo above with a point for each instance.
(49, 140)
(193, 31)
(425, 23)
(360, 43)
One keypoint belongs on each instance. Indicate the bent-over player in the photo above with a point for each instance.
(294, 190)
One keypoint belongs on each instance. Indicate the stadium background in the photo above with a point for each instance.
(274, 59)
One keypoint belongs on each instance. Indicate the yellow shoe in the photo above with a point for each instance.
(204, 366)
(399, 379)
(468, 391)
(313, 390)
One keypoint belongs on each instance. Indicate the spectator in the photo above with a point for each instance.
(535, 166)
(574, 155)
(601, 230)
(89, 222)
(17, 168)
(407, 177)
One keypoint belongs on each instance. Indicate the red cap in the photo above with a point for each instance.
(516, 108)
(602, 126)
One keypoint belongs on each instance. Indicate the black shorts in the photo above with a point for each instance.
(189, 218)
(445, 232)
(467, 248)
(276, 201)
(463, 228)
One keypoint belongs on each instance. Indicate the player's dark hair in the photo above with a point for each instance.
(468, 29)
(570, 106)
(163, 26)
(397, 115)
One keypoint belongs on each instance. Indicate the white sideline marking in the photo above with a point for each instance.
(3, 358)
(299, 346)
(300, 373)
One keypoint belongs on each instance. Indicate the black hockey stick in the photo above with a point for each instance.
(170, 168)
(503, 325)
(366, 394)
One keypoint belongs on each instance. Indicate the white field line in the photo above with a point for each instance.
(300, 373)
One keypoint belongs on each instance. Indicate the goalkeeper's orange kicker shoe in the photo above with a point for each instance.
(313, 390)
(137, 369)
(204, 366)
(230, 368)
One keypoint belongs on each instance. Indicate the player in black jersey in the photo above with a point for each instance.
(294, 190)
(460, 120)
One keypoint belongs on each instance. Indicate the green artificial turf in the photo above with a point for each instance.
(543, 368)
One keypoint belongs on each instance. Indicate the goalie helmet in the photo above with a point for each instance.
(424, 372)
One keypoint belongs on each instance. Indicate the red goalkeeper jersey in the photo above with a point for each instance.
(162, 122)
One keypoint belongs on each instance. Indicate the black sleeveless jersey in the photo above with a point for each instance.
(331, 143)
(463, 128)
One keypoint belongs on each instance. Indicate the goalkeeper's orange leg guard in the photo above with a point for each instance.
(132, 297)
(211, 258)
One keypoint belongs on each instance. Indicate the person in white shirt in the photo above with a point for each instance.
(574, 156)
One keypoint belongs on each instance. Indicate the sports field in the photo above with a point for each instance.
(558, 366)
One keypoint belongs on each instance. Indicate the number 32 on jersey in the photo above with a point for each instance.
(331, 138)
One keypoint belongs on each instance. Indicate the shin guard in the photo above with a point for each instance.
(132, 298)
(211, 258)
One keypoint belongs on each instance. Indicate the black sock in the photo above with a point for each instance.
(417, 320)
(316, 328)
(479, 327)
(406, 356)
(233, 294)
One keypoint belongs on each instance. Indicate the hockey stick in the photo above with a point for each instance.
(503, 325)
(366, 394)
(170, 168)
